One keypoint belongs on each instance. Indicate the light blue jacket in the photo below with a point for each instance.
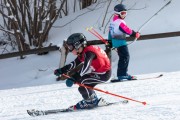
(117, 42)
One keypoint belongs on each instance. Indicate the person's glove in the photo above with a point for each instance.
(137, 35)
(70, 82)
(109, 44)
(58, 72)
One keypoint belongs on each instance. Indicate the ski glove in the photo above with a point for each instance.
(109, 44)
(70, 82)
(137, 35)
(58, 72)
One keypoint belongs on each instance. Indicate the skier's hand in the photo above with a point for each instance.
(109, 44)
(70, 82)
(58, 72)
(137, 35)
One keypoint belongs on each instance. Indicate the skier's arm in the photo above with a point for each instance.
(71, 66)
(88, 57)
(125, 29)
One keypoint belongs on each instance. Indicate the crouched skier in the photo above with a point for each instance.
(96, 69)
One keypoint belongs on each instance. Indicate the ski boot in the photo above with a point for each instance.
(87, 103)
(127, 77)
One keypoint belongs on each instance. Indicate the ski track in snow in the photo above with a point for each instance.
(163, 101)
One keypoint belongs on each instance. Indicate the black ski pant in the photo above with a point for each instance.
(123, 62)
(91, 79)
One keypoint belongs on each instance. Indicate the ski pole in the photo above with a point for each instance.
(98, 34)
(145, 23)
(106, 92)
(95, 33)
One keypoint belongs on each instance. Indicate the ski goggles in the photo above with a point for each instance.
(70, 48)
(122, 13)
(76, 46)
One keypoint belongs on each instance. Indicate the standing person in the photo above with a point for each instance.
(96, 69)
(117, 36)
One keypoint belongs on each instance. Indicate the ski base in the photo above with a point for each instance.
(35, 113)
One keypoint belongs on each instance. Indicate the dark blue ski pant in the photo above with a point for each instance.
(123, 62)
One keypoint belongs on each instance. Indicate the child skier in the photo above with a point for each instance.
(117, 36)
(96, 69)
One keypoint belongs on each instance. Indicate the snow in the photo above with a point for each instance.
(160, 94)
(30, 83)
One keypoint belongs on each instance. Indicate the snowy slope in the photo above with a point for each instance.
(162, 96)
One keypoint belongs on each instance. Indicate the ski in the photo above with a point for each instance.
(64, 52)
(116, 80)
(35, 113)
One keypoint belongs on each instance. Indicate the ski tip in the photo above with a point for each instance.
(160, 75)
(125, 101)
(29, 112)
(34, 112)
(144, 103)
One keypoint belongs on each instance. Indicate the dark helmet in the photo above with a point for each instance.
(119, 8)
(75, 41)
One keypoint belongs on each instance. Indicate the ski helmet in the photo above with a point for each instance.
(119, 8)
(75, 41)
